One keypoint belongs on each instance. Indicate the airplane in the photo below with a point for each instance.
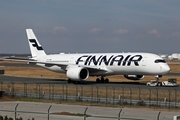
(78, 67)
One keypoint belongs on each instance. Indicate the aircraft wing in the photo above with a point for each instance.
(67, 66)
(49, 64)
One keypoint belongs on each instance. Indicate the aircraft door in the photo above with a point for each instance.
(144, 60)
(72, 60)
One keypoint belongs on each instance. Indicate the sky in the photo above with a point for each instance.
(82, 26)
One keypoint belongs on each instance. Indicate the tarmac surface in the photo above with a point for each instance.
(39, 111)
(99, 113)
(4, 78)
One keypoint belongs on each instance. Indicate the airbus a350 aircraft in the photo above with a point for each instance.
(78, 67)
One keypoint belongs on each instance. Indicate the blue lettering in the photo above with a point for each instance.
(87, 60)
(93, 59)
(136, 60)
(115, 60)
(120, 59)
(79, 59)
(124, 62)
(104, 59)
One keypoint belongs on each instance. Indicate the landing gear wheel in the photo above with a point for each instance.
(69, 81)
(76, 82)
(157, 80)
(106, 80)
(98, 80)
(159, 84)
(102, 79)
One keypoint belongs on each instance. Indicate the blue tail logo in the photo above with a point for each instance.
(35, 44)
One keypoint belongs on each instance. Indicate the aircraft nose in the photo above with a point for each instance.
(165, 68)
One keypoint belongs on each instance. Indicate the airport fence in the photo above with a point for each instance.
(35, 111)
(96, 95)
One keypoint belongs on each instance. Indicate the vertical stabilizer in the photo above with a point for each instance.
(35, 47)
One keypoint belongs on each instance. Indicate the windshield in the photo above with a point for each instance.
(160, 61)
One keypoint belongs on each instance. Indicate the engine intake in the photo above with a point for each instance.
(134, 77)
(77, 73)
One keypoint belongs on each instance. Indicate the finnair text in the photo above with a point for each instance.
(119, 60)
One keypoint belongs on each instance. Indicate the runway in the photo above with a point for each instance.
(4, 78)
(94, 93)
(28, 80)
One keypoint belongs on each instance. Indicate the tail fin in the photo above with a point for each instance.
(35, 47)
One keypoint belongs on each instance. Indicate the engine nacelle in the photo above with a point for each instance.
(77, 73)
(134, 77)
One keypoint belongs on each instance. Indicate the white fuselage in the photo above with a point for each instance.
(112, 63)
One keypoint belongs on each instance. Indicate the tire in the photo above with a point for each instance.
(98, 80)
(69, 81)
(106, 80)
(159, 84)
(102, 81)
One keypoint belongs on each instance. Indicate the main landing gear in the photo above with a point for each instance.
(102, 80)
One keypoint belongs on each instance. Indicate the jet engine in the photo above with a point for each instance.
(77, 73)
(134, 77)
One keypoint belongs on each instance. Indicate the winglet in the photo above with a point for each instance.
(35, 47)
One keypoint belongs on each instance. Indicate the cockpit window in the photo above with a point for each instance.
(160, 61)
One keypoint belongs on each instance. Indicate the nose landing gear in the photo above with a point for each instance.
(157, 80)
